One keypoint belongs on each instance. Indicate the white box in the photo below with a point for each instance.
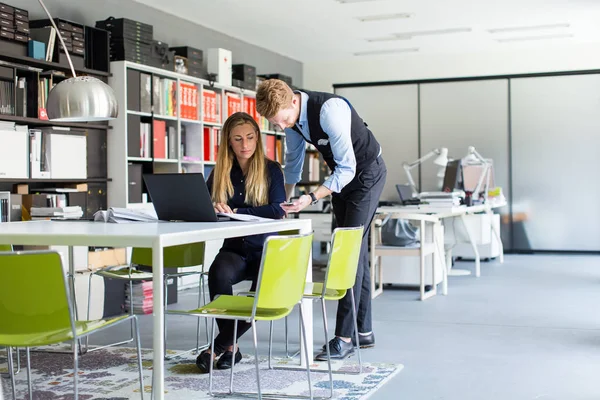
(14, 154)
(67, 156)
(219, 62)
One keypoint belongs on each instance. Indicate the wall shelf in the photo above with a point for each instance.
(29, 180)
(32, 122)
(32, 62)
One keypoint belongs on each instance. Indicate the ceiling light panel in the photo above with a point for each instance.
(432, 32)
(354, 1)
(388, 51)
(528, 28)
(528, 38)
(384, 17)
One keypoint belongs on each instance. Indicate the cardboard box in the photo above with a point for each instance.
(107, 258)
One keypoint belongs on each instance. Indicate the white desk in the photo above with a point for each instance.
(450, 212)
(156, 236)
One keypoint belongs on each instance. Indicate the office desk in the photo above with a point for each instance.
(451, 212)
(150, 235)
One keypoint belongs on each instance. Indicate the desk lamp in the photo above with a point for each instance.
(441, 160)
(473, 157)
(80, 98)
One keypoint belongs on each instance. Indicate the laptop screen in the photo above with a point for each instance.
(405, 192)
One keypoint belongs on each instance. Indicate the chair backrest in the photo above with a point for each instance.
(282, 274)
(343, 259)
(33, 294)
(185, 255)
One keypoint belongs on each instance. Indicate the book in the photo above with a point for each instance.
(125, 215)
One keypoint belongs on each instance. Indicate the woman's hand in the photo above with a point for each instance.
(223, 208)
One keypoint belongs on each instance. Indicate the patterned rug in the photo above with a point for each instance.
(111, 374)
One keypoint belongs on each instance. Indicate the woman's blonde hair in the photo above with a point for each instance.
(273, 95)
(257, 180)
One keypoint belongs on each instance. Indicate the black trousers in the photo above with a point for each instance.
(355, 205)
(228, 268)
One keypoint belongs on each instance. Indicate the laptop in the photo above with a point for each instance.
(406, 197)
(181, 197)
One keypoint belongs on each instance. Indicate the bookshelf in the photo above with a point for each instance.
(22, 76)
(183, 112)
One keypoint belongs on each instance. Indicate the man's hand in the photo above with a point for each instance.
(297, 205)
(223, 208)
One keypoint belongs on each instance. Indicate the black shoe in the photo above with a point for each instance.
(366, 341)
(203, 361)
(225, 360)
(338, 349)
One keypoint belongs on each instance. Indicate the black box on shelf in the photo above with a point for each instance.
(249, 85)
(7, 35)
(96, 42)
(197, 73)
(285, 78)
(6, 8)
(237, 83)
(130, 46)
(127, 28)
(188, 52)
(243, 72)
(22, 26)
(21, 37)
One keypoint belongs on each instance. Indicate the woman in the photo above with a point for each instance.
(244, 181)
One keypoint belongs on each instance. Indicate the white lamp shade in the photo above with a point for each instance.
(442, 159)
(82, 99)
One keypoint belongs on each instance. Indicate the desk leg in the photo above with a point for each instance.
(158, 319)
(438, 239)
(307, 310)
(473, 245)
(496, 231)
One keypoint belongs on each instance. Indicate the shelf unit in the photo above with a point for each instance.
(25, 103)
(188, 130)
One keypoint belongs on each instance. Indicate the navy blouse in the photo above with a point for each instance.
(271, 210)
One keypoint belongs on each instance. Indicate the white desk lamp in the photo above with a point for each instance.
(441, 160)
(80, 98)
(473, 157)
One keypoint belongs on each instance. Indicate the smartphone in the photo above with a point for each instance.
(288, 203)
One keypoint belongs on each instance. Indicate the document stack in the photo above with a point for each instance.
(66, 212)
(125, 215)
(142, 298)
(441, 199)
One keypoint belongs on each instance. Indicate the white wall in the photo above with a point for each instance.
(322, 75)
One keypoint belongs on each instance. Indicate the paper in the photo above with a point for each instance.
(125, 215)
(243, 217)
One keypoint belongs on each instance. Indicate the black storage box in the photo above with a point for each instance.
(285, 78)
(188, 52)
(119, 26)
(243, 72)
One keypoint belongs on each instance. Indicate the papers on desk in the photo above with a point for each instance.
(125, 215)
(243, 217)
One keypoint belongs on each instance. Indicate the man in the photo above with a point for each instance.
(331, 124)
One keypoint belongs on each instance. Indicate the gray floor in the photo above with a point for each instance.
(527, 329)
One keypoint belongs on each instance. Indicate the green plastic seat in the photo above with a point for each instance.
(6, 247)
(38, 312)
(182, 257)
(280, 285)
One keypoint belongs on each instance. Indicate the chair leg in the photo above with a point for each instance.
(75, 369)
(11, 372)
(271, 341)
(18, 360)
(235, 326)
(356, 331)
(138, 346)
(87, 316)
(29, 385)
(287, 353)
(326, 332)
(200, 293)
(256, 359)
(306, 352)
(212, 347)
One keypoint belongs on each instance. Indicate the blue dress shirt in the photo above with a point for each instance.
(335, 120)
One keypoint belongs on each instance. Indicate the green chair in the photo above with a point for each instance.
(340, 276)
(280, 284)
(39, 312)
(8, 247)
(182, 256)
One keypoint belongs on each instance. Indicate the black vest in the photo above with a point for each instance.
(366, 147)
